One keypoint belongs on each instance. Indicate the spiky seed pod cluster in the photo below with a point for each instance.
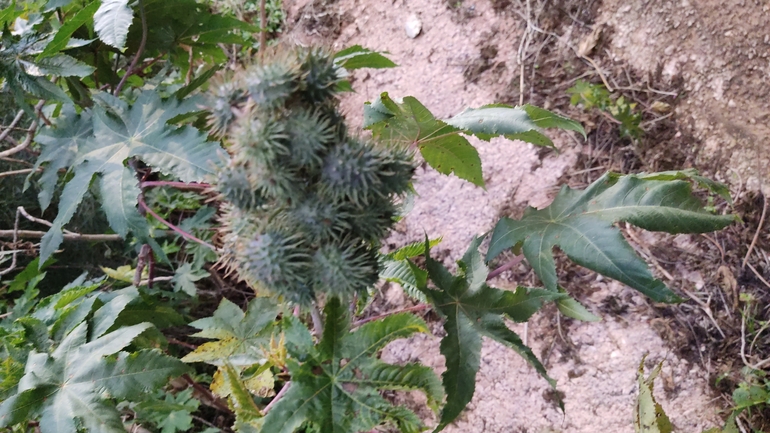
(307, 203)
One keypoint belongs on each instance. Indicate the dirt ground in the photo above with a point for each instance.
(709, 64)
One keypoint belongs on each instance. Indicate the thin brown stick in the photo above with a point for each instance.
(13, 124)
(141, 262)
(33, 234)
(215, 401)
(181, 343)
(419, 307)
(139, 51)
(26, 215)
(18, 147)
(22, 171)
(756, 234)
(15, 239)
(179, 231)
(262, 29)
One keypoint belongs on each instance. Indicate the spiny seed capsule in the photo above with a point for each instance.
(275, 259)
(321, 76)
(306, 204)
(343, 269)
(271, 85)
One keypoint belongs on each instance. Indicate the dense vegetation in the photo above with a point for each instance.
(124, 107)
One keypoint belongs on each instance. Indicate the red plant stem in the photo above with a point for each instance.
(177, 185)
(139, 51)
(277, 397)
(419, 307)
(181, 232)
(513, 262)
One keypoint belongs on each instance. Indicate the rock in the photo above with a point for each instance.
(413, 26)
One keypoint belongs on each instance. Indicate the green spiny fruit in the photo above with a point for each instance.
(344, 269)
(227, 96)
(277, 180)
(271, 85)
(308, 134)
(321, 75)
(279, 262)
(307, 203)
(318, 220)
(361, 172)
(261, 137)
(371, 222)
(396, 171)
(236, 187)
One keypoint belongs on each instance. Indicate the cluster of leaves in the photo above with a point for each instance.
(308, 203)
(68, 356)
(441, 142)
(591, 95)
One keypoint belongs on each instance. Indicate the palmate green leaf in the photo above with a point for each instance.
(580, 224)
(59, 146)
(337, 388)
(394, 267)
(513, 123)
(649, 416)
(121, 132)
(63, 35)
(409, 123)
(473, 310)
(197, 31)
(70, 388)
(240, 336)
(398, 271)
(248, 417)
(185, 277)
(111, 22)
(24, 73)
(172, 413)
(357, 57)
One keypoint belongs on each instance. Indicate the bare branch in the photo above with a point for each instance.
(15, 239)
(15, 172)
(263, 29)
(33, 234)
(13, 124)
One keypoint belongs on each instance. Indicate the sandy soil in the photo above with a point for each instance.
(722, 52)
(594, 363)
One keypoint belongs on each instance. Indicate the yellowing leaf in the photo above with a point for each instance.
(122, 273)
(649, 416)
(242, 337)
(261, 384)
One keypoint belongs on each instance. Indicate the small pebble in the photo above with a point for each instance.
(413, 26)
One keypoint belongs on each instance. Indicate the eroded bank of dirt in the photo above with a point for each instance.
(466, 56)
